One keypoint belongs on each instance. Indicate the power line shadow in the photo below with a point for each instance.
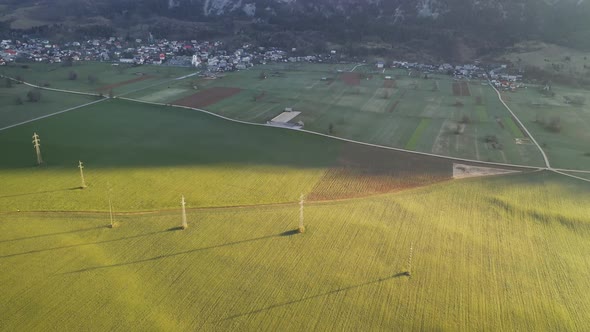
(52, 234)
(40, 192)
(172, 255)
(344, 289)
(81, 244)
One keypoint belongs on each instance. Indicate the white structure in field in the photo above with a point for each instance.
(283, 120)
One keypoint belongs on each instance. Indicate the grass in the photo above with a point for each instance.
(516, 132)
(566, 148)
(369, 112)
(150, 140)
(51, 102)
(417, 135)
(57, 75)
(504, 253)
(481, 113)
(497, 254)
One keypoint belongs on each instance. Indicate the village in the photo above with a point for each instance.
(214, 57)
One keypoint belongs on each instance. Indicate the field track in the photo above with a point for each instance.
(352, 79)
(389, 84)
(207, 97)
(461, 89)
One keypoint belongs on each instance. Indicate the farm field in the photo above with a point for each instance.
(12, 112)
(121, 79)
(567, 147)
(481, 247)
(504, 253)
(149, 155)
(405, 112)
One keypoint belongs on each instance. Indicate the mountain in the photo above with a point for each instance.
(449, 29)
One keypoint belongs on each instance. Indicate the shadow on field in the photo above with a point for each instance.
(52, 234)
(78, 245)
(40, 192)
(174, 254)
(336, 291)
(290, 233)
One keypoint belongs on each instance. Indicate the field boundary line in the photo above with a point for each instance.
(52, 114)
(159, 83)
(355, 67)
(548, 165)
(569, 175)
(572, 170)
(335, 137)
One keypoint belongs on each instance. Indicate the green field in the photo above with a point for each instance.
(12, 112)
(105, 74)
(499, 253)
(567, 148)
(371, 112)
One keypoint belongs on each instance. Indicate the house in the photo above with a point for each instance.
(380, 65)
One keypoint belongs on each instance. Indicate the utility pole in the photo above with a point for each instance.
(81, 167)
(301, 202)
(184, 223)
(110, 206)
(37, 145)
(409, 272)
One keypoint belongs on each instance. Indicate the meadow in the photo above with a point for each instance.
(566, 147)
(95, 77)
(405, 112)
(498, 253)
(504, 253)
(13, 111)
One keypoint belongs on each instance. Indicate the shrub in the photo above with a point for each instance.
(72, 76)
(18, 100)
(34, 95)
(554, 125)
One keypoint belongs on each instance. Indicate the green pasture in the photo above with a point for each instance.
(11, 112)
(370, 112)
(57, 75)
(506, 253)
(568, 147)
(503, 253)
(148, 156)
(375, 114)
